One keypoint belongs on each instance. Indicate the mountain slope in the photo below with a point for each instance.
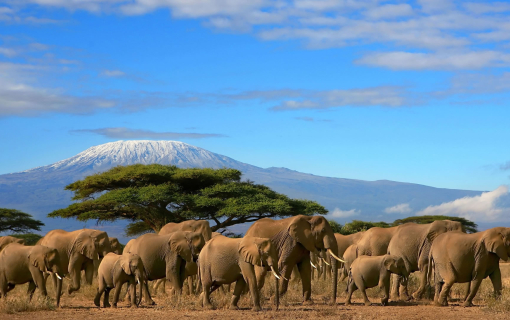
(41, 190)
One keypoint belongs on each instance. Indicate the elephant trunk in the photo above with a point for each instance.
(140, 279)
(277, 293)
(332, 248)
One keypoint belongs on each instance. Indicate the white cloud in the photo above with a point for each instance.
(337, 213)
(127, 133)
(390, 11)
(478, 208)
(402, 208)
(113, 73)
(437, 61)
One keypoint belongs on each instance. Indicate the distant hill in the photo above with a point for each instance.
(40, 190)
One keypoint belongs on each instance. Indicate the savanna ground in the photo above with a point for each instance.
(80, 305)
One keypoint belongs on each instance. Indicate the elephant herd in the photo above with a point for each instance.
(288, 247)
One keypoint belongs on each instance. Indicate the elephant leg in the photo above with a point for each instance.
(261, 272)
(106, 301)
(445, 290)
(100, 290)
(238, 290)
(385, 285)
(364, 293)
(475, 284)
(75, 280)
(89, 271)
(403, 289)
(418, 294)
(116, 294)
(156, 285)
(395, 287)
(351, 287)
(251, 280)
(147, 295)
(496, 282)
(38, 280)
(206, 299)
(31, 290)
(305, 273)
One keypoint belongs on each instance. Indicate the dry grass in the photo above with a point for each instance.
(17, 300)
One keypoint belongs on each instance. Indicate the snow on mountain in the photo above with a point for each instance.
(112, 154)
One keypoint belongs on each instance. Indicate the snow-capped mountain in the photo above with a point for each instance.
(108, 155)
(40, 190)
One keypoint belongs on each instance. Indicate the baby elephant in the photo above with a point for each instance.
(368, 272)
(113, 272)
(20, 264)
(224, 260)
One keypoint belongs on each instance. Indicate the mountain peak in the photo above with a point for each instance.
(104, 156)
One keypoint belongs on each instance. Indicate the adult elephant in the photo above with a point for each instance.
(294, 238)
(375, 241)
(77, 250)
(412, 243)
(457, 257)
(200, 226)
(20, 264)
(166, 256)
(343, 242)
(224, 260)
(6, 240)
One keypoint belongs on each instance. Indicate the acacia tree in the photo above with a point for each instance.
(17, 221)
(151, 196)
(468, 225)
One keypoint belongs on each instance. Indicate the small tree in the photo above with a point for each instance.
(358, 225)
(16, 221)
(151, 196)
(30, 238)
(337, 227)
(468, 225)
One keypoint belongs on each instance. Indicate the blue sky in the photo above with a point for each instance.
(406, 91)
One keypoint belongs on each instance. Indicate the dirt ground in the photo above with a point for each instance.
(80, 306)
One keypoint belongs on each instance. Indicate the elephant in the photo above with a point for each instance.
(115, 245)
(375, 241)
(77, 250)
(294, 238)
(114, 271)
(166, 256)
(412, 243)
(343, 242)
(6, 240)
(350, 254)
(371, 271)
(201, 226)
(225, 260)
(457, 257)
(20, 264)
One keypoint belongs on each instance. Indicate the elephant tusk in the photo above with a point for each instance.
(334, 256)
(313, 265)
(274, 273)
(325, 261)
(59, 278)
(137, 281)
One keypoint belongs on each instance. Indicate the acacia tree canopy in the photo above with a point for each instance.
(17, 221)
(469, 226)
(151, 196)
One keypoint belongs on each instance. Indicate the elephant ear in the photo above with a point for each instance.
(495, 243)
(180, 244)
(388, 262)
(85, 245)
(37, 259)
(250, 249)
(300, 230)
(124, 264)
